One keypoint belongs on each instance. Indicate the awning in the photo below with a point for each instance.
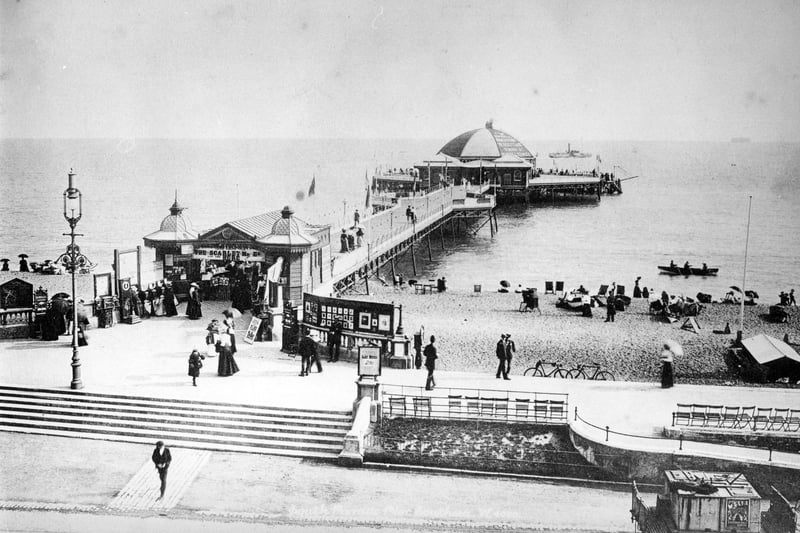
(274, 272)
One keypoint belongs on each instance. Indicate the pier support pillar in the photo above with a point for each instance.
(430, 254)
(413, 259)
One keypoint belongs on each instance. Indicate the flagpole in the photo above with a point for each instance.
(740, 333)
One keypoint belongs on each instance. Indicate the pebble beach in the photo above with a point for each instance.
(468, 325)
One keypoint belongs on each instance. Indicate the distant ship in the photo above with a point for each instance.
(740, 139)
(569, 153)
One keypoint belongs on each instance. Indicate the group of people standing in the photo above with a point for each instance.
(505, 352)
(157, 299)
(220, 341)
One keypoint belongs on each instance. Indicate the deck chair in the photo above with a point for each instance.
(397, 403)
(602, 290)
(548, 287)
(522, 405)
(559, 287)
(422, 406)
(454, 404)
(620, 290)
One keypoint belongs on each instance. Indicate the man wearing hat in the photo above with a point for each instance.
(510, 349)
(501, 356)
(162, 458)
(307, 350)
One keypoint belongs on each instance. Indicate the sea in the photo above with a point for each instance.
(724, 204)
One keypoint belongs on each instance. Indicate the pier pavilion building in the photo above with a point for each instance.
(484, 157)
(293, 255)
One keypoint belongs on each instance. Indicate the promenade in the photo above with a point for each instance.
(150, 359)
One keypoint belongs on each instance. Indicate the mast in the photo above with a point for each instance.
(744, 274)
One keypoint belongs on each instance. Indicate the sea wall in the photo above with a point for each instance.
(648, 467)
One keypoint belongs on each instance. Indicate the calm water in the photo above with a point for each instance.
(690, 203)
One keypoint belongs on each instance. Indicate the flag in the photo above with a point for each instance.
(366, 186)
(313, 188)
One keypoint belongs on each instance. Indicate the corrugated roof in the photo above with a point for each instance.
(261, 225)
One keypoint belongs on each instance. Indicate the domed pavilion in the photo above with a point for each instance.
(486, 157)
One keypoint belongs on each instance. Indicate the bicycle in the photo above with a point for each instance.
(581, 373)
(541, 370)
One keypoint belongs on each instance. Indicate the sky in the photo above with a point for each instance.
(604, 70)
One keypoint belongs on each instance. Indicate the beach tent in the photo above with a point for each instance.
(775, 357)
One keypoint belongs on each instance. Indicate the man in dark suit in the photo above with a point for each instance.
(511, 348)
(335, 341)
(307, 349)
(501, 356)
(162, 458)
(430, 363)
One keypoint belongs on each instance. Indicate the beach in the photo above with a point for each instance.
(467, 326)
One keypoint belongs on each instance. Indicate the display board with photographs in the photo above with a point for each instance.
(354, 315)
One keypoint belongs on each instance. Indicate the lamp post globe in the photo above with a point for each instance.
(72, 214)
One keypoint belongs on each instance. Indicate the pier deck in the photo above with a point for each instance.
(391, 232)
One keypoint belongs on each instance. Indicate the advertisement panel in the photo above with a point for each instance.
(355, 316)
(369, 361)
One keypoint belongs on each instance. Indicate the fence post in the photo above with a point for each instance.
(770, 453)
(680, 441)
(606, 433)
(576, 414)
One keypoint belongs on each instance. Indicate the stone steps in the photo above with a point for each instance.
(180, 423)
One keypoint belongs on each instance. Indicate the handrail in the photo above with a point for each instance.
(608, 431)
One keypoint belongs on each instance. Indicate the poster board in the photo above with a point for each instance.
(252, 330)
(369, 361)
(355, 315)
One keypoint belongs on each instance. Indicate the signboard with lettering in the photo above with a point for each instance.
(369, 361)
(252, 330)
(228, 253)
(354, 315)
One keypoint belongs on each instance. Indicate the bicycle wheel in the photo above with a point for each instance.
(533, 372)
(604, 375)
(576, 373)
(560, 373)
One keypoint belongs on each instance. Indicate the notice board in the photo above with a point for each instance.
(354, 315)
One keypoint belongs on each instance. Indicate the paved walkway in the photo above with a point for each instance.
(142, 491)
(150, 359)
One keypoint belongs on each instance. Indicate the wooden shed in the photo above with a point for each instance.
(713, 501)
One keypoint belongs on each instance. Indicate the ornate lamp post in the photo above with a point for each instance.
(73, 259)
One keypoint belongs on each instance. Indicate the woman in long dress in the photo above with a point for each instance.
(666, 367)
(193, 307)
(227, 364)
(169, 301)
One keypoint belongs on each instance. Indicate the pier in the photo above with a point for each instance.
(390, 233)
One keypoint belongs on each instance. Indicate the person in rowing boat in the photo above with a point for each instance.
(672, 263)
(686, 266)
(705, 268)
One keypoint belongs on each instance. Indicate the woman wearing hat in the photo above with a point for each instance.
(227, 364)
(170, 307)
(193, 307)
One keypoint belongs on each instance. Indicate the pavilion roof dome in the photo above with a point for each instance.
(174, 227)
(485, 143)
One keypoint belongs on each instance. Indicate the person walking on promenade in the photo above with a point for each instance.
(162, 458)
(356, 217)
(430, 363)
(611, 309)
(230, 326)
(195, 364)
(307, 349)
(335, 342)
(226, 366)
(501, 358)
(315, 358)
(170, 308)
(345, 247)
(510, 349)
(666, 367)
(409, 214)
(193, 308)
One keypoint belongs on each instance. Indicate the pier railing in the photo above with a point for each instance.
(390, 227)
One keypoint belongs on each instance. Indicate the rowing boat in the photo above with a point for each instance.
(690, 271)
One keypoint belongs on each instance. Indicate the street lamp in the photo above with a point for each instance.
(73, 259)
